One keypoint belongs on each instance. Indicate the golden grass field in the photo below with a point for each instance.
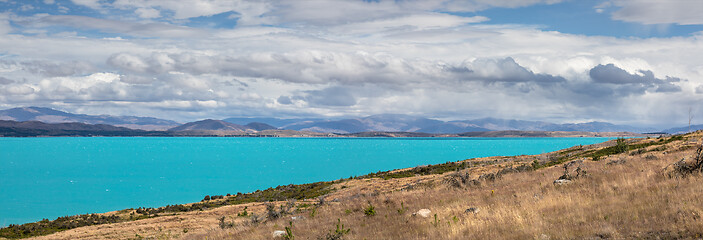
(623, 196)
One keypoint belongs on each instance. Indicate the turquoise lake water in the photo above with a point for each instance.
(53, 177)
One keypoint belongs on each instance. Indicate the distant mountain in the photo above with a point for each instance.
(49, 115)
(259, 126)
(209, 124)
(453, 127)
(374, 123)
(36, 128)
(497, 124)
(405, 123)
(683, 129)
(276, 122)
(594, 127)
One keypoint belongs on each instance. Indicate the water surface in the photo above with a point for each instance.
(52, 177)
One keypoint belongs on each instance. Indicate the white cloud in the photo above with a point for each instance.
(5, 26)
(94, 4)
(147, 13)
(114, 26)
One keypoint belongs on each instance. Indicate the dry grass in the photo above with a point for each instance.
(629, 198)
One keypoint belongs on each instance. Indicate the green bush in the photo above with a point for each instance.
(370, 210)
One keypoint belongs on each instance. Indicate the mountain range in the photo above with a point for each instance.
(48, 115)
(374, 123)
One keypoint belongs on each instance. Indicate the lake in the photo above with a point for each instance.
(52, 177)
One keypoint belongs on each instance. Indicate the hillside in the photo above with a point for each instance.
(618, 189)
(49, 115)
(35, 129)
(209, 124)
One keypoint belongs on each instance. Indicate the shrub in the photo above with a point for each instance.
(271, 212)
(337, 233)
(244, 213)
(289, 232)
(370, 210)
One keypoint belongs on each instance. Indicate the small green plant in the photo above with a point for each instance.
(621, 146)
(313, 212)
(435, 220)
(402, 208)
(339, 232)
(185, 230)
(224, 224)
(535, 164)
(455, 219)
(347, 211)
(244, 213)
(370, 210)
(289, 232)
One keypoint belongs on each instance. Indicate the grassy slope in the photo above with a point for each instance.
(627, 199)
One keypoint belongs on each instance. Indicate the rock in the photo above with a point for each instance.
(295, 218)
(544, 237)
(473, 210)
(423, 213)
(561, 181)
(278, 234)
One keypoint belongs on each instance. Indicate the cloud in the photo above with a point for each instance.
(150, 29)
(94, 4)
(285, 100)
(5, 81)
(52, 69)
(682, 12)
(147, 13)
(5, 26)
(699, 89)
(637, 83)
(500, 70)
(333, 96)
(17, 90)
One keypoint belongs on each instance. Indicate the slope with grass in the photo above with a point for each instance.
(624, 189)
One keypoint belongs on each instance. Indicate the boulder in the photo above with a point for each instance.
(561, 181)
(279, 234)
(473, 210)
(423, 213)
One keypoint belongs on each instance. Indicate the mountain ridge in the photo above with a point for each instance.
(372, 123)
(49, 115)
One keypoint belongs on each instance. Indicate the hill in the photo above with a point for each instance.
(49, 115)
(407, 123)
(209, 124)
(259, 126)
(36, 128)
(624, 189)
(685, 129)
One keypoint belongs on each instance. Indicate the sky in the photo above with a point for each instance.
(636, 62)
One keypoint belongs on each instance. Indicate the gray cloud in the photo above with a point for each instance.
(285, 100)
(60, 69)
(684, 12)
(315, 67)
(699, 89)
(332, 96)
(626, 83)
(4, 81)
(501, 70)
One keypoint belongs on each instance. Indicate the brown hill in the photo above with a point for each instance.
(211, 125)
